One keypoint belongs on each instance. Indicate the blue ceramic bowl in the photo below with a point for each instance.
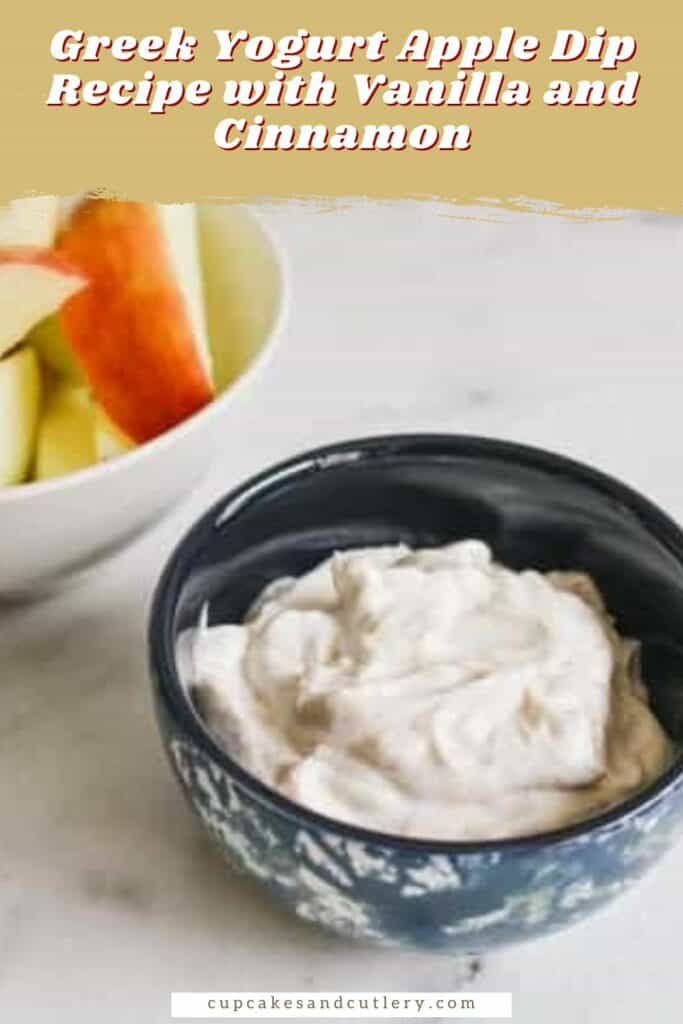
(534, 509)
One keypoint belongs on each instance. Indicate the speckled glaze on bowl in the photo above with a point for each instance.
(534, 509)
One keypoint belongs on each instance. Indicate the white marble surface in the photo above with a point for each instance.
(406, 317)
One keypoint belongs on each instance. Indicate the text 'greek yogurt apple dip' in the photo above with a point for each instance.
(431, 693)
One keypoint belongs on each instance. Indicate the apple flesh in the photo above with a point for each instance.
(31, 221)
(66, 433)
(180, 230)
(109, 440)
(137, 330)
(46, 338)
(20, 397)
(237, 284)
(33, 283)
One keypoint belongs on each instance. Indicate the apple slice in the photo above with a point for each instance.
(46, 337)
(20, 394)
(241, 287)
(137, 330)
(31, 221)
(66, 433)
(109, 440)
(33, 283)
(179, 225)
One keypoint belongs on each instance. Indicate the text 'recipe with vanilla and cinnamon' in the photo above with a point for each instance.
(461, 72)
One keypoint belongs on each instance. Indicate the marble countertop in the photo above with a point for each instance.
(407, 317)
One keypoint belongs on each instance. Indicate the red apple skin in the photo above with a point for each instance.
(129, 328)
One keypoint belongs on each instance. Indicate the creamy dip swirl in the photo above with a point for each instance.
(431, 693)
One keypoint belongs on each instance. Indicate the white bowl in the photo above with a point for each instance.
(51, 530)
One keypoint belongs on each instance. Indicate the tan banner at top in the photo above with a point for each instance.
(574, 105)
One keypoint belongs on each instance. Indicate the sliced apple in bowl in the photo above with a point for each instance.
(46, 338)
(55, 529)
(33, 283)
(137, 330)
(20, 398)
(31, 221)
(66, 434)
(109, 440)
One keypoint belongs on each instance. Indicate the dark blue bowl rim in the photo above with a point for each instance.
(161, 647)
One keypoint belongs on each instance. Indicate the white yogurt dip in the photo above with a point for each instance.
(431, 693)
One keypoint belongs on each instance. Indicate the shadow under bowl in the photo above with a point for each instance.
(535, 509)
